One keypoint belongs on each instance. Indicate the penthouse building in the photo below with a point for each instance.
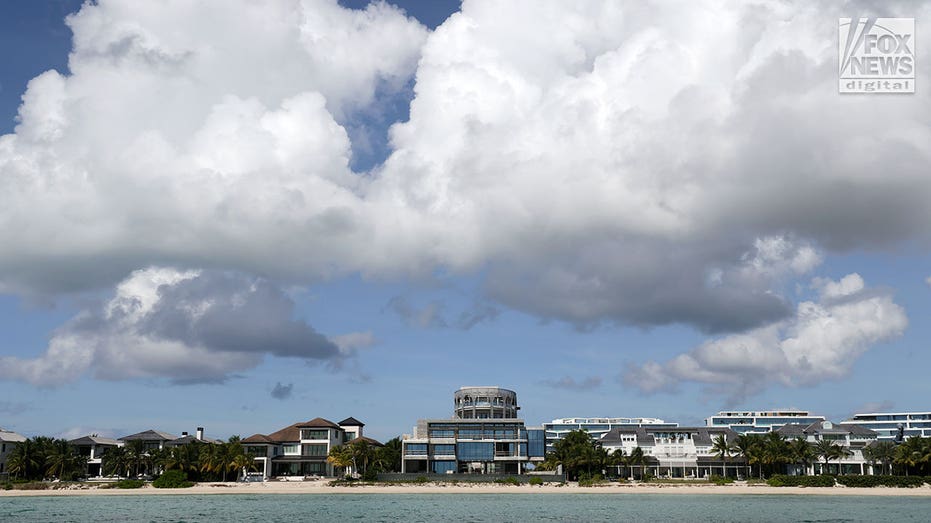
(485, 403)
(597, 427)
(760, 421)
(886, 424)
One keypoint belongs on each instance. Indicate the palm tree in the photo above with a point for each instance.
(340, 457)
(774, 451)
(723, 450)
(617, 459)
(135, 450)
(828, 450)
(802, 453)
(388, 457)
(24, 459)
(882, 452)
(637, 459)
(744, 445)
(60, 459)
(116, 461)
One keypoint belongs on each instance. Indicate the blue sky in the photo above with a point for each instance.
(360, 211)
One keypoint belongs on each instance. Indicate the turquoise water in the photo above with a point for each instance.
(467, 508)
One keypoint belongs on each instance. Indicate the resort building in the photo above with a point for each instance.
(301, 449)
(679, 452)
(760, 421)
(94, 447)
(485, 436)
(886, 424)
(597, 427)
(852, 438)
(485, 403)
(8, 441)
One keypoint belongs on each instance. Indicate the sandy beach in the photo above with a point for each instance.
(323, 487)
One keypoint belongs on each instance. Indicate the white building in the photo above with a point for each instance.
(8, 441)
(94, 447)
(596, 427)
(680, 452)
(760, 421)
(852, 438)
(886, 424)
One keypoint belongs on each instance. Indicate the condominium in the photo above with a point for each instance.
(597, 427)
(886, 424)
(483, 437)
(760, 421)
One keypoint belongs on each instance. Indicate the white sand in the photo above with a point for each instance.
(323, 487)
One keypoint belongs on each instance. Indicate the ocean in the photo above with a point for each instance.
(465, 508)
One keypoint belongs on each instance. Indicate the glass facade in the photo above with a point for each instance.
(315, 434)
(476, 451)
(536, 443)
(415, 449)
(443, 467)
(316, 449)
(444, 450)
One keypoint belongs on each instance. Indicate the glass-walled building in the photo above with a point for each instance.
(886, 424)
(471, 446)
(760, 421)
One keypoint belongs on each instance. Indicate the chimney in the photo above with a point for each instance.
(200, 433)
(183, 434)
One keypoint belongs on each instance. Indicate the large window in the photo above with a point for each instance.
(444, 450)
(415, 449)
(443, 467)
(535, 443)
(315, 449)
(315, 434)
(476, 451)
(291, 449)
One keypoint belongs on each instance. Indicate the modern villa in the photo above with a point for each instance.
(94, 447)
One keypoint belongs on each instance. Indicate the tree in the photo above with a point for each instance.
(745, 445)
(61, 460)
(637, 459)
(723, 450)
(577, 452)
(116, 461)
(802, 453)
(136, 454)
(827, 450)
(617, 459)
(882, 452)
(388, 457)
(340, 457)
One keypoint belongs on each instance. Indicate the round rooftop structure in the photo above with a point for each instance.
(485, 403)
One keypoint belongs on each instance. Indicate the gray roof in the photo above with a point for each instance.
(184, 440)
(795, 430)
(699, 435)
(792, 430)
(11, 437)
(94, 440)
(150, 435)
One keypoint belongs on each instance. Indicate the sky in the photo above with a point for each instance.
(241, 215)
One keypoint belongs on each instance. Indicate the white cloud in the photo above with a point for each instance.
(595, 162)
(823, 341)
(185, 326)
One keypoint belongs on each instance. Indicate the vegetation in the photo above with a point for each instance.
(508, 481)
(535, 481)
(172, 479)
(199, 461)
(579, 454)
(42, 457)
(882, 481)
(129, 484)
(365, 459)
(781, 480)
(720, 480)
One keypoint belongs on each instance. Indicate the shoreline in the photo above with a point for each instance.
(323, 488)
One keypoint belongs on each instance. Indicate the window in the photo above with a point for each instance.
(291, 449)
(443, 467)
(415, 449)
(315, 434)
(444, 450)
(315, 450)
(476, 451)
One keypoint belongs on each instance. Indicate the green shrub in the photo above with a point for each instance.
(593, 481)
(508, 481)
(421, 479)
(720, 480)
(31, 485)
(370, 475)
(881, 481)
(7, 485)
(129, 483)
(780, 480)
(536, 481)
(648, 477)
(172, 479)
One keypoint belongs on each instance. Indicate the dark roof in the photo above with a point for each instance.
(150, 435)
(700, 435)
(293, 432)
(351, 422)
(792, 430)
(318, 423)
(184, 440)
(94, 440)
(859, 430)
(370, 441)
(257, 438)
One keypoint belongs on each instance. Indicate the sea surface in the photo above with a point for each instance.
(465, 508)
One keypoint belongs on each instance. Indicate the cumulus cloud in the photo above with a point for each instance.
(187, 326)
(594, 162)
(570, 383)
(822, 341)
(282, 392)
